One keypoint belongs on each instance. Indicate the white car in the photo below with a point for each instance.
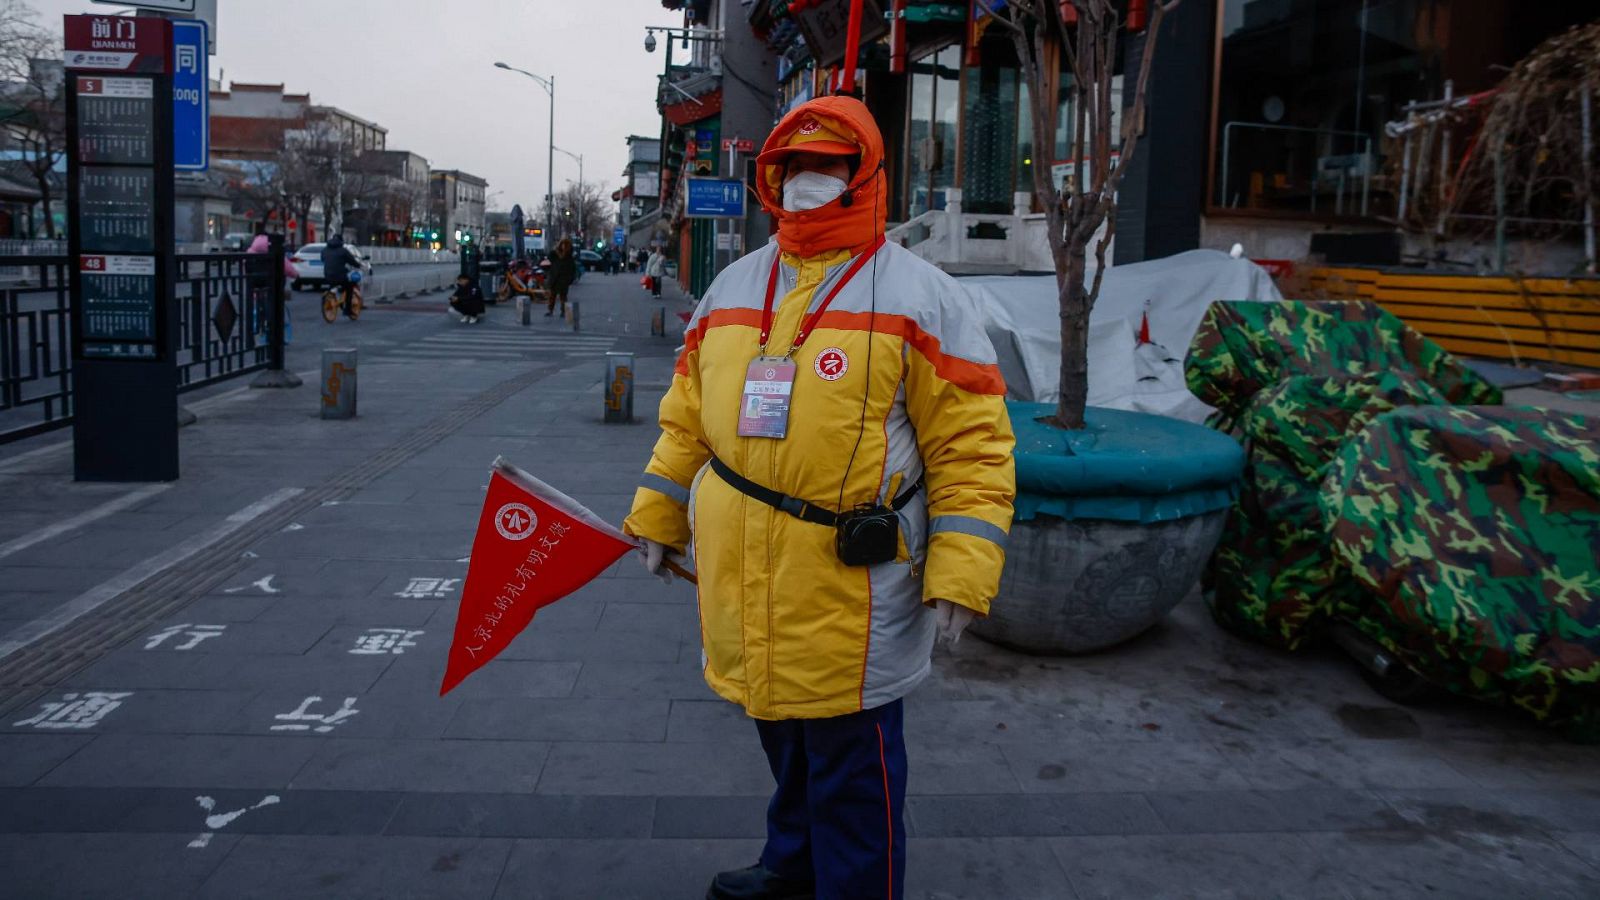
(307, 262)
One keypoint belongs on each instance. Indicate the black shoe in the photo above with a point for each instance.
(758, 883)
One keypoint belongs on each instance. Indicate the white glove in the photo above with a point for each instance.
(953, 619)
(651, 554)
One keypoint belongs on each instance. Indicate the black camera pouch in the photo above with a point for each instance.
(867, 536)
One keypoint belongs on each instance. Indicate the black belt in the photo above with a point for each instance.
(798, 508)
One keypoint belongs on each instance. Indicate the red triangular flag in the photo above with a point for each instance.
(534, 546)
(1144, 329)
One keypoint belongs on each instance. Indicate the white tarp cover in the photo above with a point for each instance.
(1024, 323)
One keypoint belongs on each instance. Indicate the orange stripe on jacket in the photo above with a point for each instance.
(976, 378)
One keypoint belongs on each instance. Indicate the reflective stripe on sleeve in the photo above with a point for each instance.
(978, 528)
(666, 486)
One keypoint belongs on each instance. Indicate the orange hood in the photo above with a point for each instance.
(836, 224)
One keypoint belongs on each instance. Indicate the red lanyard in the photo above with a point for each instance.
(811, 321)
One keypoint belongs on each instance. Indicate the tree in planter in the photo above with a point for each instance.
(33, 109)
(1083, 34)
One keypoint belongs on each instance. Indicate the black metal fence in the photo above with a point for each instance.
(224, 330)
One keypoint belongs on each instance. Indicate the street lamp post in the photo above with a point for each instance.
(549, 85)
(582, 198)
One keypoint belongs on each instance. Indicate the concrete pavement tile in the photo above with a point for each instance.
(1187, 866)
(522, 816)
(1557, 766)
(674, 621)
(959, 722)
(593, 646)
(24, 758)
(1494, 811)
(226, 609)
(984, 869)
(1306, 809)
(564, 719)
(133, 866)
(342, 867)
(131, 668)
(560, 616)
(322, 675)
(149, 760)
(713, 721)
(640, 769)
(958, 769)
(1457, 865)
(710, 817)
(609, 590)
(423, 765)
(642, 679)
(1585, 844)
(23, 608)
(420, 676)
(45, 810)
(619, 869)
(68, 579)
(1032, 815)
(296, 812)
(349, 610)
(1351, 763)
(1119, 766)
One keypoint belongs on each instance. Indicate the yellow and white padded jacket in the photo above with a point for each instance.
(789, 631)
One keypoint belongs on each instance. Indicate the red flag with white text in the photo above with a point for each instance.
(534, 546)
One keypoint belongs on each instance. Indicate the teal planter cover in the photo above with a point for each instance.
(1122, 466)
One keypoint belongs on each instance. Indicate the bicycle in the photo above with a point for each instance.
(332, 303)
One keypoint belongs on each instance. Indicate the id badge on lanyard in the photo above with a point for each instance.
(764, 406)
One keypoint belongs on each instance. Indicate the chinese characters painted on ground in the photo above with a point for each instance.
(421, 588)
(76, 710)
(303, 720)
(216, 822)
(197, 633)
(380, 641)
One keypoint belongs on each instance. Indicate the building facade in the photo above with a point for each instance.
(458, 206)
(1269, 121)
(639, 198)
(397, 210)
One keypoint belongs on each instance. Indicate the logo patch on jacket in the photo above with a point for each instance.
(831, 364)
(810, 126)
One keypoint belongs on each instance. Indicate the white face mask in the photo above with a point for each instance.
(809, 190)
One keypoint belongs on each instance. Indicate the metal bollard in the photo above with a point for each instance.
(572, 314)
(339, 383)
(524, 310)
(658, 323)
(619, 387)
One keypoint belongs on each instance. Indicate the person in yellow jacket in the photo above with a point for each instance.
(835, 456)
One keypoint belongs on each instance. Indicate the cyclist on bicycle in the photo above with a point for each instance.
(337, 264)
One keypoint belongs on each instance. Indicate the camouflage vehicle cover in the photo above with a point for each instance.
(1474, 537)
(1297, 379)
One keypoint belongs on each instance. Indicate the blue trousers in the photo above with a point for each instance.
(837, 813)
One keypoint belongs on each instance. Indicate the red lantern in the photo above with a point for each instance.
(1138, 15)
(1069, 13)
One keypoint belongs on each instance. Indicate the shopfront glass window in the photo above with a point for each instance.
(934, 114)
(989, 140)
(1304, 92)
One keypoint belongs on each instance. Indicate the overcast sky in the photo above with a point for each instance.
(424, 69)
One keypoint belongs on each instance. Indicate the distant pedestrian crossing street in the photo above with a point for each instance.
(480, 342)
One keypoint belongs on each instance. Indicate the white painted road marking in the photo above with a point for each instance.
(327, 722)
(218, 822)
(81, 519)
(264, 585)
(197, 633)
(382, 641)
(92, 599)
(76, 710)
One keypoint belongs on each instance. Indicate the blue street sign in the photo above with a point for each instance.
(618, 237)
(191, 96)
(715, 198)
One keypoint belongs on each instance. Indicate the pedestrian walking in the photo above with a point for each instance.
(263, 244)
(640, 258)
(829, 562)
(563, 272)
(655, 266)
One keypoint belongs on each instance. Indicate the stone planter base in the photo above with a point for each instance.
(1081, 586)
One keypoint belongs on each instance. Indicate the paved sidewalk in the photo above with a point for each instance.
(268, 722)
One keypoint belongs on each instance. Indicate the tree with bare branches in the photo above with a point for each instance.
(33, 110)
(1082, 36)
(585, 210)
